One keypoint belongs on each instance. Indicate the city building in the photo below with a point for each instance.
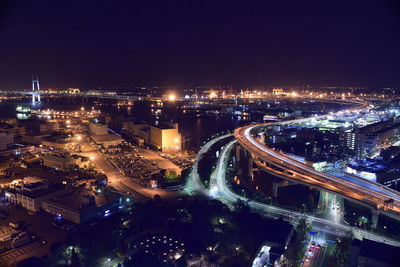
(165, 137)
(58, 142)
(107, 140)
(368, 169)
(276, 242)
(365, 140)
(17, 150)
(79, 205)
(12, 128)
(34, 139)
(139, 131)
(31, 195)
(99, 134)
(6, 139)
(390, 178)
(370, 253)
(58, 161)
(390, 152)
(49, 127)
(97, 129)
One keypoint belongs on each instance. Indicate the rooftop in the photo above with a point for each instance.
(369, 165)
(164, 126)
(36, 194)
(378, 251)
(79, 198)
(106, 137)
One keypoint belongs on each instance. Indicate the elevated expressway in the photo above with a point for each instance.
(220, 190)
(374, 195)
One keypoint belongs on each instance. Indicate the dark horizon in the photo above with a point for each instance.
(94, 44)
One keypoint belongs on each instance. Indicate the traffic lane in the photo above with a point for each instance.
(244, 136)
(377, 188)
(363, 193)
(297, 177)
(319, 224)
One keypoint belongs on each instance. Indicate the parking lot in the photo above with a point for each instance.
(182, 159)
(141, 164)
(134, 165)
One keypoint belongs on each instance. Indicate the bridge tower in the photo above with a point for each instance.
(35, 89)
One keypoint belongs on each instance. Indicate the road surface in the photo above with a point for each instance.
(370, 193)
(222, 192)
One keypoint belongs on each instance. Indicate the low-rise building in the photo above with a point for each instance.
(58, 161)
(277, 239)
(6, 139)
(49, 127)
(35, 139)
(370, 253)
(12, 128)
(164, 137)
(97, 129)
(390, 152)
(17, 150)
(80, 205)
(140, 131)
(59, 141)
(30, 196)
(107, 140)
(367, 168)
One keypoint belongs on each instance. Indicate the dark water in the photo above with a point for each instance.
(194, 130)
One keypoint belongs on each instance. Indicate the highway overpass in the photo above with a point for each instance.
(380, 198)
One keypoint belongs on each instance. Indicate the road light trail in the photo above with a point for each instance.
(194, 184)
(226, 195)
(349, 186)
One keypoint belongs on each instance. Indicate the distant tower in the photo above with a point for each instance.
(35, 89)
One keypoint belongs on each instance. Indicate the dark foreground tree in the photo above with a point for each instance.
(342, 250)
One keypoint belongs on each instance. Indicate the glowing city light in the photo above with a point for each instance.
(172, 97)
(212, 94)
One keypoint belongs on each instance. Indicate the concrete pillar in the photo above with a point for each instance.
(237, 153)
(276, 185)
(275, 188)
(251, 167)
(375, 218)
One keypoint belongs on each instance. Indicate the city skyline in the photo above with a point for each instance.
(199, 133)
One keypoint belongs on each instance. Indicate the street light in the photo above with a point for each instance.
(172, 97)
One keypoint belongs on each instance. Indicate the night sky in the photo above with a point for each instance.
(113, 43)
